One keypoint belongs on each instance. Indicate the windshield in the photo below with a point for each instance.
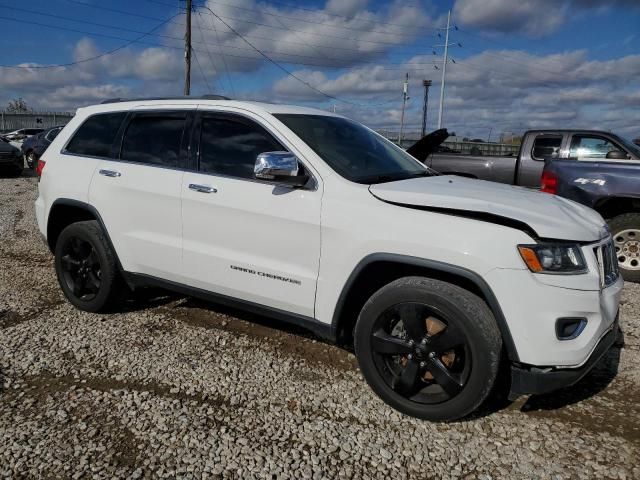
(352, 150)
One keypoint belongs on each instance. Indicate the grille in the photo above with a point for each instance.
(607, 263)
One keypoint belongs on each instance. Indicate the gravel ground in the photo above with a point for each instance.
(175, 387)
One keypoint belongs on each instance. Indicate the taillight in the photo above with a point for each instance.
(549, 182)
(40, 167)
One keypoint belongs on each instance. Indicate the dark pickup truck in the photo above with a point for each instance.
(612, 188)
(526, 168)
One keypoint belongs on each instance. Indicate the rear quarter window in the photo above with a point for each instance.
(96, 135)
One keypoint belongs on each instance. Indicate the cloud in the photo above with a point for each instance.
(502, 90)
(535, 18)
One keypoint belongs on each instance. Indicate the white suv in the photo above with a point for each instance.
(309, 217)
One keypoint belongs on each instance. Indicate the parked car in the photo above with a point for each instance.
(612, 188)
(10, 159)
(22, 134)
(537, 145)
(311, 218)
(34, 146)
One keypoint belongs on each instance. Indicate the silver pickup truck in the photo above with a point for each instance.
(526, 168)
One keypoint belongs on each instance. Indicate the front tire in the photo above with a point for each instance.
(31, 159)
(428, 348)
(86, 267)
(625, 230)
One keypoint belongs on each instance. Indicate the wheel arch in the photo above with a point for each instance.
(64, 212)
(610, 207)
(379, 269)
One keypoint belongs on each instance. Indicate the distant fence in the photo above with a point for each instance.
(15, 121)
(466, 148)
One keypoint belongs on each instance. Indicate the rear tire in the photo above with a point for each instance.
(445, 346)
(87, 267)
(625, 230)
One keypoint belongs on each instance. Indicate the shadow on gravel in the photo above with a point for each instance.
(290, 338)
(145, 298)
(595, 382)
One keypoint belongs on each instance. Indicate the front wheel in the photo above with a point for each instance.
(625, 230)
(428, 348)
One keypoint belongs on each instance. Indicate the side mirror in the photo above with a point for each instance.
(617, 155)
(279, 167)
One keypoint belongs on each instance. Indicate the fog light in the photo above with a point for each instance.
(569, 328)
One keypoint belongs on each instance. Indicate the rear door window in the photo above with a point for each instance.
(96, 135)
(155, 139)
(546, 146)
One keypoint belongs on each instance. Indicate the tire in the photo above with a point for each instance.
(87, 267)
(30, 158)
(625, 230)
(460, 382)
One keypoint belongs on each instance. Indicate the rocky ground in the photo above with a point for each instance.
(175, 387)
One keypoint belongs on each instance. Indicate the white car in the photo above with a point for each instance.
(17, 137)
(306, 216)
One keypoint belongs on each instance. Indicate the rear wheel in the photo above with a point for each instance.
(428, 348)
(87, 267)
(625, 230)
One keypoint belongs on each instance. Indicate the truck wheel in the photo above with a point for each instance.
(428, 348)
(625, 230)
(87, 267)
(30, 157)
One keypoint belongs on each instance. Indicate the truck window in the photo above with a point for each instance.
(96, 135)
(546, 146)
(589, 146)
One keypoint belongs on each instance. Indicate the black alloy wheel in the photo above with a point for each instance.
(81, 268)
(420, 354)
(428, 348)
(87, 267)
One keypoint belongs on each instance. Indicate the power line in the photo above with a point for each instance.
(84, 60)
(204, 78)
(222, 54)
(321, 12)
(213, 64)
(284, 69)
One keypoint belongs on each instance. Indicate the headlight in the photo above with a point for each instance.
(553, 258)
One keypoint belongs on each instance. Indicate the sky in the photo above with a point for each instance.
(513, 64)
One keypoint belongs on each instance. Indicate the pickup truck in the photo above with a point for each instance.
(526, 168)
(612, 188)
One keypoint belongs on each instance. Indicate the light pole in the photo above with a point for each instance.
(426, 84)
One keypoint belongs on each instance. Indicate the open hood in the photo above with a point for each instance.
(539, 214)
(428, 144)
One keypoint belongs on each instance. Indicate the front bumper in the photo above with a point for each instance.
(534, 380)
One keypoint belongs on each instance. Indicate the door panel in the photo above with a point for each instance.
(252, 240)
(141, 210)
(139, 195)
(244, 238)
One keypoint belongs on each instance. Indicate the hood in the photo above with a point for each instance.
(8, 148)
(539, 214)
(428, 144)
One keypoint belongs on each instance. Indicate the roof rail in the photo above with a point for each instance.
(202, 97)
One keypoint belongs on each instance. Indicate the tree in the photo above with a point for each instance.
(18, 105)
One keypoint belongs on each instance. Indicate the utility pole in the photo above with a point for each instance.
(405, 91)
(426, 84)
(445, 59)
(187, 52)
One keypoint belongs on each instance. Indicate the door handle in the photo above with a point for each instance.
(202, 188)
(110, 173)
